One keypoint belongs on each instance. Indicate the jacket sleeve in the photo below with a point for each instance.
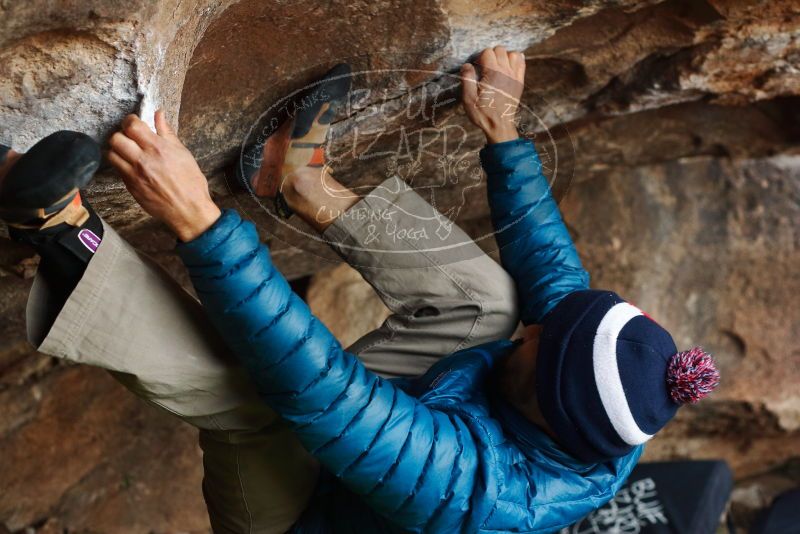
(411, 464)
(535, 246)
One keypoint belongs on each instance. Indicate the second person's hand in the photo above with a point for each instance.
(163, 176)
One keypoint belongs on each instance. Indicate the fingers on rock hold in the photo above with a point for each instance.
(469, 81)
(488, 59)
(136, 129)
(162, 126)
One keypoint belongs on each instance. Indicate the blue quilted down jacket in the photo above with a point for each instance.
(440, 453)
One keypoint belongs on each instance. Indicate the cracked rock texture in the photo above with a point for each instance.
(678, 122)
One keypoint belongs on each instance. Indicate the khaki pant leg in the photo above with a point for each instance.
(127, 316)
(444, 292)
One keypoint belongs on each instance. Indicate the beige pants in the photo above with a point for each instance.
(126, 315)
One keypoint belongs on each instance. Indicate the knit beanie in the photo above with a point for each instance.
(608, 377)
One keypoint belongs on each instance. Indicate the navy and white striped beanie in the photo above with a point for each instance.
(608, 377)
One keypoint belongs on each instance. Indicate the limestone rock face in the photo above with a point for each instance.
(672, 127)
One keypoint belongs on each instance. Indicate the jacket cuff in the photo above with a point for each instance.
(197, 250)
(503, 157)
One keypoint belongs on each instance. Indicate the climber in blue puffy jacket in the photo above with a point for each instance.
(508, 436)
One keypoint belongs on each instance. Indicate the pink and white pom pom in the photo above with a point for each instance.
(691, 375)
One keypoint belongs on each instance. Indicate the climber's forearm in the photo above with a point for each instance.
(350, 419)
(535, 246)
(267, 326)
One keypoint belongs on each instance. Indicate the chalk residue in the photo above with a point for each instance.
(147, 82)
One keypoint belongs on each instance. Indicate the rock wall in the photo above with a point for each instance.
(677, 121)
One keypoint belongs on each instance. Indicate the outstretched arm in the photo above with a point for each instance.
(416, 466)
(535, 246)
(399, 455)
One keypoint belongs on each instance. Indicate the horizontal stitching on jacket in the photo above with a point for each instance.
(377, 434)
(335, 401)
(278, 316)
(299, 343)
(326, 368)
(425, 466)
(350, 423)
(322, 374)
(389, 472)
(493, 460)
(515, 219)
(451, 480)
(527, 234)
(246, 258)
(216, 245)
(600, 493)
(557, 527)
(252, 294)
